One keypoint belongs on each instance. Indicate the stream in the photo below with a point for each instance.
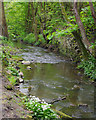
(52, 76)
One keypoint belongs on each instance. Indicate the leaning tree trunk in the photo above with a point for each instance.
(81, 45)
(81, 27)
(34, 13)
(42, 19)
(75, 34)
(0, 18)
(4, 25)
(92, 11)
(29, 19)
(94, 17)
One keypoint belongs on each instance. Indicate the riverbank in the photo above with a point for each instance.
(51, 76)
(74, 55)
(12, 105)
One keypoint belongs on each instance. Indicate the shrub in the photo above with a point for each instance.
(41, 109)
(12, 80)
(14, 72)
(30, 38)
(89, 67)
(41, 39)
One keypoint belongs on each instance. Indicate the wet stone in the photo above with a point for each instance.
(26, 62)
(83, 105)
(29, 67)
(21, 80)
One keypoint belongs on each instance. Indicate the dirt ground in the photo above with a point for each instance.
(11, 101)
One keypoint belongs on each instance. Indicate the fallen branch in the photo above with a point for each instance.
(57, 100)
(62, 114)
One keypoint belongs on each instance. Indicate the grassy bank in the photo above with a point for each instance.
(88, 66)
(28, 106)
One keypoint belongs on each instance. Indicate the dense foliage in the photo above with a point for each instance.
(56, 26)
(66, 28)
(41, 109)
(89, 67)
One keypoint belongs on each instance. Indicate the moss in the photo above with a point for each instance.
(9, 87)
(9, 98)
(16, 58)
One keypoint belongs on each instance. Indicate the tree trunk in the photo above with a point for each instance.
(29, 19)
(92, 11)
(94, 17)
(43, 20)
(81, 27)
(0, 18)
(80, 43)
(34, 12)
(64, 13)
(75, 34)
(4, 25)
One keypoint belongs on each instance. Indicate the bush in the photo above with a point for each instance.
(30, 38)
(41, 39)
(12, 80)
(89, 67)
(2, 37)
(41, 109)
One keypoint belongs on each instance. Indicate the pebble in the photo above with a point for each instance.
(9, 72)
(21, 80)
(28, 67)
(76, 87)
(83, 105)
(26, 62)
(21, 73)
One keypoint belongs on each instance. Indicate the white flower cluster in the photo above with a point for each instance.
(44, 104)
(34, 99)
(45, 107)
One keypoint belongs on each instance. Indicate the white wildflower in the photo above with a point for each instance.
(37, 100)
(44, 107)
(36, 105)
(43, 100)
(38, 109)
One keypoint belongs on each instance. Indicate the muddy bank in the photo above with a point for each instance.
(13, 104)
(11, 107)
(52, 76)
(48, 76)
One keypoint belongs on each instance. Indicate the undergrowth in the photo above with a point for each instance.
(41, 109)
(89, 67)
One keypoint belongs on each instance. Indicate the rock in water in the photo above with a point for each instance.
(28, 67)
(26, 62)
(76, 87)
(21, 80)
(8, 87)
(20, 73)
(83, 105)
(17, 67)
(29, 88)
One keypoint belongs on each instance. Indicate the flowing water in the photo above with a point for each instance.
(53, 76)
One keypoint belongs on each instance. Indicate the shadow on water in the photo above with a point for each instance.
(52, 76)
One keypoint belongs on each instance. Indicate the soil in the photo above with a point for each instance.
(11, 103)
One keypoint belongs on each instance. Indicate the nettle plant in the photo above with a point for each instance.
(41, 109)
(89, 67)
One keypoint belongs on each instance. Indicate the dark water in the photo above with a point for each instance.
(52, 76)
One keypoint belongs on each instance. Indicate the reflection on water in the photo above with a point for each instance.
(51, 77)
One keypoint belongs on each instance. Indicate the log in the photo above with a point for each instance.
(57, 100)
(61, 113)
